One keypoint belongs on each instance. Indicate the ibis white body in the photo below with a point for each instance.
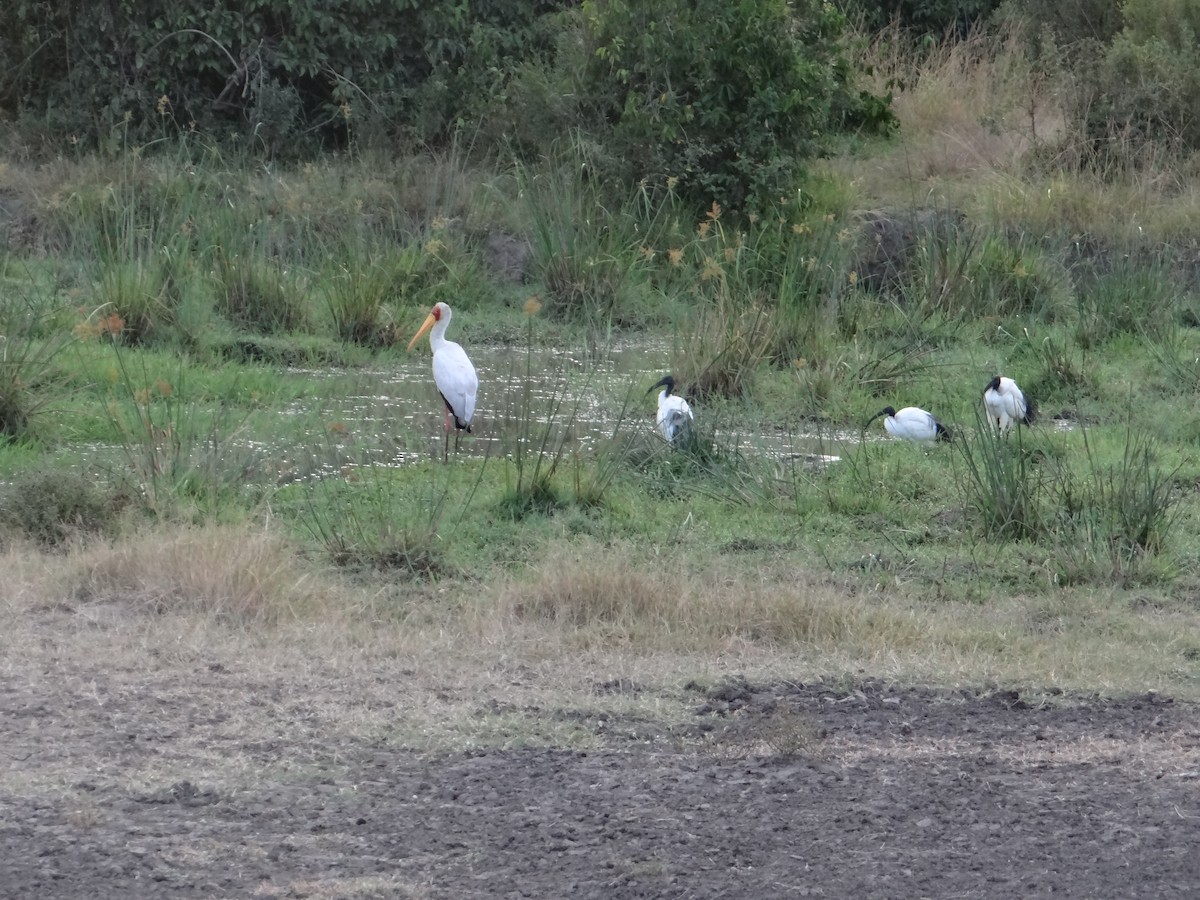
(1006, 404)
(674, 415)
(453, 374)
(912, 424)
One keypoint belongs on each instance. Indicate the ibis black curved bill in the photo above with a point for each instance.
(666, 381)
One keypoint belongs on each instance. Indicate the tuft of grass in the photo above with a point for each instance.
(356, 296)
(1004, 485)
(31, 339)
(223, 573)
(587, 254)
(1061, 367)
(254, 293)
(136, 293)
(179, 455)
(52, 507)
(1105, 518)
(1174, 353)
(364, 521)
(536, 443)
(1135, 502)
(780, 731)
(973, 273)
(1133, 297)
(720, 353)
(617, 599)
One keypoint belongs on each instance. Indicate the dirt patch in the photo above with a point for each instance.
(867, 790)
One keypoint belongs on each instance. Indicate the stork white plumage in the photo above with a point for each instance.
(453, 374)
(674, 415)
(912, 424)
(1007, 404)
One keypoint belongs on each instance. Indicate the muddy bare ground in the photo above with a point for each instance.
(779, 790)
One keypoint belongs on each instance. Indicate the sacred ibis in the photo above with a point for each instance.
(452, 373)
(1006, 404)
(912, 424)
(674, 415)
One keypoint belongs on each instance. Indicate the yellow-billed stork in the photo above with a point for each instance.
(453, 374)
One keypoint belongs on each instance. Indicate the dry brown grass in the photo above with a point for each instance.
(221, 572)
(983, 130)
(966, 108)
(612, 596)
(237, 648)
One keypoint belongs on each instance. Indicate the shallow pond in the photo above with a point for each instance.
(394, 415)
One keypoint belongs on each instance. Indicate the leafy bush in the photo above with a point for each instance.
(728, 98)
(1142, 87)
(282, 76)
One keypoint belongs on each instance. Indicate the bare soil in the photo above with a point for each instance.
(774, 790)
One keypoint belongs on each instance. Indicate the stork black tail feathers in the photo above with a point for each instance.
(459, 424)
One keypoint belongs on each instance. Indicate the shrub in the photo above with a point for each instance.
(730, 98)
(49, 506)
(284, 77)
(1078, 25)
(1143, 85)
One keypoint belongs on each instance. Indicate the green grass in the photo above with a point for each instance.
(224, 349)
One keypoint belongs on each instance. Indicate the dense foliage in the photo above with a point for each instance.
(270, 71)
(934, 17)
(725, 97)
(1143, 86)
(725, 101)
(730, 98)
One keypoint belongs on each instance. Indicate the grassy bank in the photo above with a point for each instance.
(175, 326)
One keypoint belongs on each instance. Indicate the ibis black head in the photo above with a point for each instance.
(886, 411)
(993, 385)
(667, 381)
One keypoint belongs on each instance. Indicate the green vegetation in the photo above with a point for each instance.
(200, 345)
